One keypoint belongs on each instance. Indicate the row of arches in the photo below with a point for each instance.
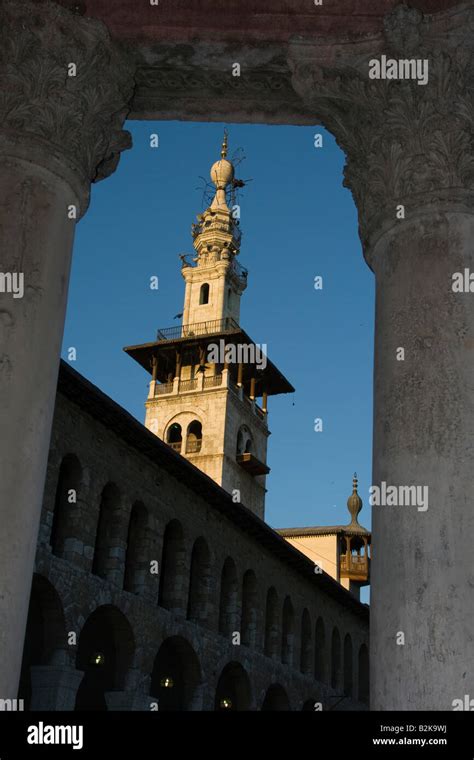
(105, 658)
(188, 583)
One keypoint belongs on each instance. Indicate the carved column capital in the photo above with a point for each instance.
(64, 92)
(406, 143)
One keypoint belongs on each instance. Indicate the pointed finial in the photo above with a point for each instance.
(224, 145)
(354, 502)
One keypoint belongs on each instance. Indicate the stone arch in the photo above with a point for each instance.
(305, 653)
(249, 609)
(106, 560)
(335, 658)
(288, 632)
(272, 626)
(276, 699)
(320, 651)
(64, 524)
(136, 560)
(45, 636)
(176, 676)
(363, 685)
(172, 568)
(199, 602)
(348, 666)
(233, 690)
(105, 653)
(174, 436)
(245, 443)
(194, 437)
(228, 603)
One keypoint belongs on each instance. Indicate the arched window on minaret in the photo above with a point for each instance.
(204, 294)
(244, 441)
(174, 436)
(194, 437)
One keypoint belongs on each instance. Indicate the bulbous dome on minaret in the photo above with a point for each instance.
(222, 171)
(354, 502)
(222, 174)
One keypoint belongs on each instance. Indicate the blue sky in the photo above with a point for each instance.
(298, 222)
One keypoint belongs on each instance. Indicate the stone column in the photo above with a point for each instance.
(410, 166)
(54, 687)
(64, 94)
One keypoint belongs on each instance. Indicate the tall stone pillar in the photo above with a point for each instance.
(410, 166)
(64, 94)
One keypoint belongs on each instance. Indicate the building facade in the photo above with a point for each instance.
(154, 590)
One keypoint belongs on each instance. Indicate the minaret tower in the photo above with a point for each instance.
(207, 374)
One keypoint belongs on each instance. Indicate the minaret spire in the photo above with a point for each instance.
(222, 174)
(224, 145)
(354, 502)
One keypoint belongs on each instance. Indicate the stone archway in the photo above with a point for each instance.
(276, 699)
(45, 639)
(105, 653)
(406, 145)
(176, 676)
(233, 692)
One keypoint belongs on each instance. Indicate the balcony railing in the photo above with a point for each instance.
(193, 447)
(188, 385)
(176, 446)
(162, 388)
(354, 563)
(226, 226)
(211, 327)
(213, 382)
(239, 270)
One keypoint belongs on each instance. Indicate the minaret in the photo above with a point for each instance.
(342, 551)
(207, 374)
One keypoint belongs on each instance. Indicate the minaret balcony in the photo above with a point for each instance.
(211, 327)
(354, 566)
(252, 465)
(200, 383)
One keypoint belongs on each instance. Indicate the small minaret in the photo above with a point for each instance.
(207, 374)
(354, 558)
(342, 551)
